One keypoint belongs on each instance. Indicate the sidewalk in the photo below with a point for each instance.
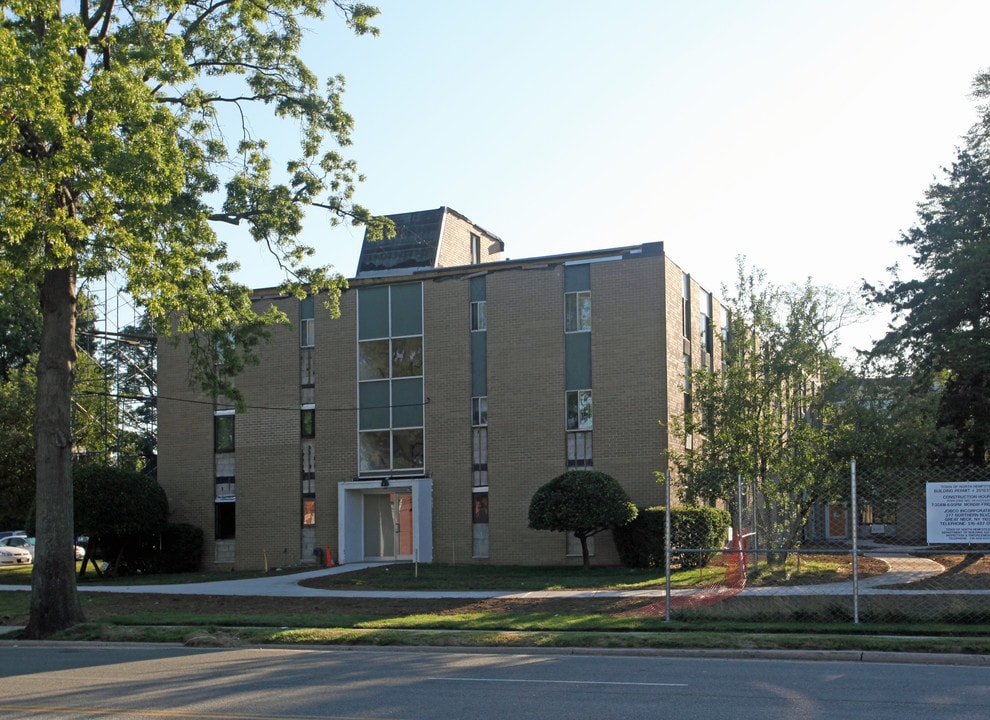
(903, 568)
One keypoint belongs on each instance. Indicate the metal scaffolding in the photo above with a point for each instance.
(115, 391)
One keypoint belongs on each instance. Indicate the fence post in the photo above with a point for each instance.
(855, 542)
(756, 531)
(666, 548)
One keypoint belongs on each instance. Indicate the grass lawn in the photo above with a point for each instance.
(630, 622)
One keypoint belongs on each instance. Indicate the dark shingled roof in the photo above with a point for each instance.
(415, 244)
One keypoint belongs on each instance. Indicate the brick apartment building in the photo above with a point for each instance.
(418, 424)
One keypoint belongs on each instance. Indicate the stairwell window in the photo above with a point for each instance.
(307, 325)
(578, 403)
(223, 433)
(577, 311)
(479, 316)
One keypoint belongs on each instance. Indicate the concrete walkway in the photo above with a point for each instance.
(904, 568)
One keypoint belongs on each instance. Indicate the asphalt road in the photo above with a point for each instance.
(68, 681)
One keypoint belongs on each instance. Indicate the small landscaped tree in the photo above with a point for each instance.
(583, 502)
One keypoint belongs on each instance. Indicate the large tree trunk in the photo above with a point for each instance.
(54, 600)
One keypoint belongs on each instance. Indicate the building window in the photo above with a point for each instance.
(479, 316)
(479, 507)
(307, 325)
(479, 524)
(307, 422)
(390, 378)
(578, 403)
(706, 330)
(577, 311)
(479, 457)
(223, 433)
(479, 412)
(686, 305)
(307, 333)
(224, 520)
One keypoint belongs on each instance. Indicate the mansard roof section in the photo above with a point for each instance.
(428, 239)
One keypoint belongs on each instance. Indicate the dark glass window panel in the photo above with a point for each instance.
(223, 433)
(407, 310)
(372, 313)
(373, 402)
(407, 403)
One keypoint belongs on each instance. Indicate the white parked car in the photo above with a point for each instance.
(27, 543)
(19, 541)
(14, 556)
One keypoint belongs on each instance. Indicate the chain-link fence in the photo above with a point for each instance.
(879, 546)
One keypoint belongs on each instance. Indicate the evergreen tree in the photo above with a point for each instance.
(939, 334)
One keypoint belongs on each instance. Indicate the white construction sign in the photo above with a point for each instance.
(958, 512)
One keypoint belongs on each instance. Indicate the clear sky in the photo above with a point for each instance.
(800, 134)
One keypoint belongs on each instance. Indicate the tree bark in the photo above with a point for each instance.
(54, 600)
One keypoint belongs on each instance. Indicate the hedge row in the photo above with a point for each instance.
(641, 542)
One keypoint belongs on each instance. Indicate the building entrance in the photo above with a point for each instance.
(388, 526)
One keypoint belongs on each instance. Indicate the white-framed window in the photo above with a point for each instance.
(479, 411)
(307, 333)
(578, 406)
(686, 305)
(479, 316)
(223, 431)
(390, 379)
(577, 311)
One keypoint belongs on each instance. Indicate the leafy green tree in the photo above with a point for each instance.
(17, 393)
(890, 421)
(20, 326)
(940, 328)
(125, 135)
(584, 502)
(765, 415)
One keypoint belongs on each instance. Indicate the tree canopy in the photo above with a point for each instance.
(125, 136)
(584, 502)
(940, 319)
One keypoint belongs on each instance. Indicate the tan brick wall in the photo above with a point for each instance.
(455, 245)
(525, 408)
(637, 375)
(628, 364)
(447, 385)
(336, 413)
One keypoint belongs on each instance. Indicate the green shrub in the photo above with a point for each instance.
(182, 548)
(640, 543)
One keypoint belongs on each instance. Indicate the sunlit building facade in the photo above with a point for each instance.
(418, 424)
